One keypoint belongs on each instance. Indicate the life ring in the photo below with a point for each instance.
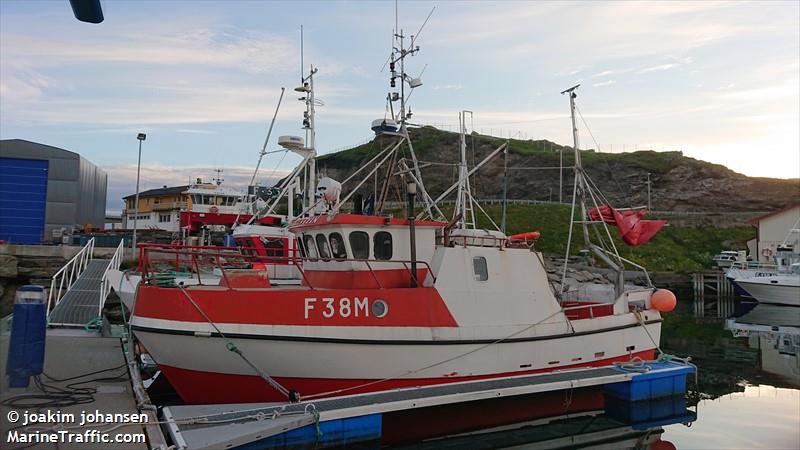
(767, 253)
(213, 210)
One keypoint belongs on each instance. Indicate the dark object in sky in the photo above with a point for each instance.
(87, 10)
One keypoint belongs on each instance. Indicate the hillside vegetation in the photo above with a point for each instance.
(679, 183)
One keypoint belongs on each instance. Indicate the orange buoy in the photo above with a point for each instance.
(663, 300)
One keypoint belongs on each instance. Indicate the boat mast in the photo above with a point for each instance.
(464, 207)
(307, 87)
(398, 55)
(581, 189)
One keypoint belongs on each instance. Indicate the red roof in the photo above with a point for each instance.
(355, 219)
(758, 219)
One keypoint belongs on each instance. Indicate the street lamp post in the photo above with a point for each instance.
(140, 137)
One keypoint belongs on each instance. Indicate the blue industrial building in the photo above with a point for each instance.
(44, 189)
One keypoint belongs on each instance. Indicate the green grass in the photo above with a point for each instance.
(673, 249)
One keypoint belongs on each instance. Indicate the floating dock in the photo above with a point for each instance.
(351, 419)
(70, 355)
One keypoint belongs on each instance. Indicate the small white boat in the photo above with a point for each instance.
(780, 288)
(726, 258)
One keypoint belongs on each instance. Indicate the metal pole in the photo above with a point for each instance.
(411, 192)
(561, 175)
(140, 137)
(505, 191)
(648, 192)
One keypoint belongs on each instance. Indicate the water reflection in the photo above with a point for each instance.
(582, 418)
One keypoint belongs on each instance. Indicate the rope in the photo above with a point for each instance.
(94, 325)
(666, 357)
(315, 414)
(290, 394)
(605, 161)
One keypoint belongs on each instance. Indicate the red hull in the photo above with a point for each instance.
(197, 387)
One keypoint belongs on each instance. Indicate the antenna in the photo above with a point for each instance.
(414, 37)
(302, 67)
(218, 180)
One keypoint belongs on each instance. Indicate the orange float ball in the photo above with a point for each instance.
(663, 300)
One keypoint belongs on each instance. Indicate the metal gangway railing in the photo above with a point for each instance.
(63, 280)
(105, 284)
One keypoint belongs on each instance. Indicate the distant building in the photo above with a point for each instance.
(158, 208)
(188, 206)
(44, 189)
(772, 230)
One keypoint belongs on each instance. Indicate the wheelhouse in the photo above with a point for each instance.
(349, 250)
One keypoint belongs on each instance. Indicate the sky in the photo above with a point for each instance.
(719, 81)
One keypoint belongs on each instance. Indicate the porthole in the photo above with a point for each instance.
(380, 308)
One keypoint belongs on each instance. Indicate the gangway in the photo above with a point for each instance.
(78, 291)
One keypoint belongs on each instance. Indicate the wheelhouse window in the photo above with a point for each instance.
(480, 268)
(322, 246)
(337, 246)
(301, 246)
(311, 248)
(274, 247)
(382, 245)
(359, 244)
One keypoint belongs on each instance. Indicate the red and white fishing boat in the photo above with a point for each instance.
(386, 303)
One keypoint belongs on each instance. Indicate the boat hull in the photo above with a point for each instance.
(202, 370)
(785, 292)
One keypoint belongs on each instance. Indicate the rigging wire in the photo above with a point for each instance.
(605, 160)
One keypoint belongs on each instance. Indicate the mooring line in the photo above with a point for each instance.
(292, 395)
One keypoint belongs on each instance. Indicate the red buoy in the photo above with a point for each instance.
(528, 236)
(663, 300)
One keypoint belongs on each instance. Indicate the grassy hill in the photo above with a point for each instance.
(679, 183)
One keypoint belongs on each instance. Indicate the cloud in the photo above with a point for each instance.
(604, 73)
(658, 68)
(451, 87)
(604, 83)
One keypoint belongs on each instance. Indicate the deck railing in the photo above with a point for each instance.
(63, 280)
(192, 257)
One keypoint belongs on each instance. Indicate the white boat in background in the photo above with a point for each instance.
(781, 288)
(787, 255)
(727, 258)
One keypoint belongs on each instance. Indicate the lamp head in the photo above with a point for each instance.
(141, 136)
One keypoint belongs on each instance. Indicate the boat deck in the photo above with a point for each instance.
(71, 353)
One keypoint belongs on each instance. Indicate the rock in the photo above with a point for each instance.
(8, 266)
(37, 272)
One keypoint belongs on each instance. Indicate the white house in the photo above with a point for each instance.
(774, 229)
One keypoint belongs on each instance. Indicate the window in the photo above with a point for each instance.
(302, 248)
(382, 245)
(337, 246)
(164, 218)
(480, 269)
(311, 248)
(322, 246)
(274, 247)
(359, 244)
